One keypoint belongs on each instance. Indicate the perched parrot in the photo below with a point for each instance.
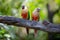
(25, 15)
(35, 17)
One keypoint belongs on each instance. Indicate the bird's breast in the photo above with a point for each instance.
(24, 15)
(35, 18)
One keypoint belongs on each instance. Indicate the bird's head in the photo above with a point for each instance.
(38, 9)
(23, 7)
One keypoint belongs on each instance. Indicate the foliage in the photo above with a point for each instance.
(6, 6)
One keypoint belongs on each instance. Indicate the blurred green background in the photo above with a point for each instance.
(13, 8)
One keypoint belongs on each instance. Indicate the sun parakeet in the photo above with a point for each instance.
(25, 15)
(35, 17)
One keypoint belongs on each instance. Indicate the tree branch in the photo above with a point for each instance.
(30, 24)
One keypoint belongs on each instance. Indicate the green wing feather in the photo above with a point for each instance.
(28, 15)
(39, 18)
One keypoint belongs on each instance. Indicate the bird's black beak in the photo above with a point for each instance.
(23, 7)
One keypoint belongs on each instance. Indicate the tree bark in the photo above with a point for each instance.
(30, 24)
